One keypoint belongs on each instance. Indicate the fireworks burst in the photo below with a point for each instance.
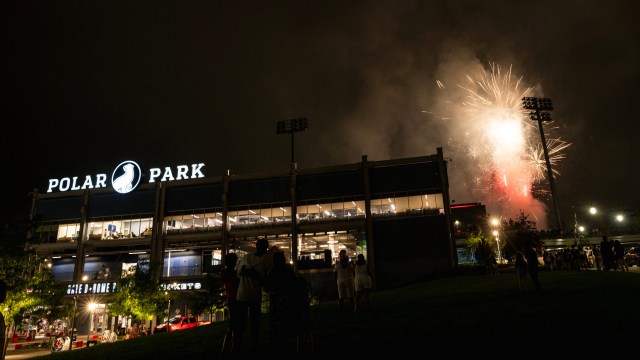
(501, 144)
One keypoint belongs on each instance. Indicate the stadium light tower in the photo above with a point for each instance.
(292, 126)
(285, 127)
(539, 107)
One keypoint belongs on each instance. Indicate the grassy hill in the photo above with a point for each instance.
(581, 312)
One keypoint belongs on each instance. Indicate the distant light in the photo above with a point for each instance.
(619, 218)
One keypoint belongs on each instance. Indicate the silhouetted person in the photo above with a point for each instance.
(252, 270)
(532, 266)
(281, 287)
(521, 270)
(606, 249)
(233, 337)
(304, 322)
(618, 256)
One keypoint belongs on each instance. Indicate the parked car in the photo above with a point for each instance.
(178, 323)
(632, 257)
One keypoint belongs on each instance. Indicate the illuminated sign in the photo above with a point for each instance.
(181, 286)
(95, 288)
(126, 177)
(110, 287)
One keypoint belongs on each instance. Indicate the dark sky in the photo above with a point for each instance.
(88, 84)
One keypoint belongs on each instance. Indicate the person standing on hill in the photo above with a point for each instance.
(362, 282)
(531, 255)
(344, 277)
(597, 257)
(304, 321)
(281, 287)
(252, 270)
(230, 281)
(606, 249)
(521, 270)
(618, 256)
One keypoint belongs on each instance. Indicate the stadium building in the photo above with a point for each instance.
(96, 227)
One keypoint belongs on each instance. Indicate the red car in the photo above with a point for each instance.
(178, 323)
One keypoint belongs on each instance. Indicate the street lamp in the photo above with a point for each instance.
(538, 105)
(168, 309)
(495, 222)
(576, 228)
(73, 320)
(496, 234)
(92, 306)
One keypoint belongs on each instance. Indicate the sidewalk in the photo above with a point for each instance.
(23, 344)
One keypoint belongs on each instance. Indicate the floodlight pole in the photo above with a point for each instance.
(292, 126)
(538, 105)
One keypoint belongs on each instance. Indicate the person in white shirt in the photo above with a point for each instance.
(362, 282)
(344, 277)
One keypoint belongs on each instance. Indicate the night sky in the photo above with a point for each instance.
(89, 84)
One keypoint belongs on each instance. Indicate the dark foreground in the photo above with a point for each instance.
(586, 312)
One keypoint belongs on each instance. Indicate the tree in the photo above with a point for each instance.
(480, 247)
(138, 295)
(34, 290)
(518, 234)
(214, 299)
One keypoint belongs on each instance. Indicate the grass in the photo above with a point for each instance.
(459, 315)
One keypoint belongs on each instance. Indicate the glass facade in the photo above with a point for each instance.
(315, 250)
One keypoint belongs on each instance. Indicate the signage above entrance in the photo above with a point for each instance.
(93, 288)
(181, 286)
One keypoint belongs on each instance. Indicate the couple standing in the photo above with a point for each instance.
(352, 277)
(243, 281)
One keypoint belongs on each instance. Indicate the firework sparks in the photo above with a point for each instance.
(501, 144)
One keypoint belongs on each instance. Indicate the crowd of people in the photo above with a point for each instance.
(244, 280)
(290, 323)
(607, 255)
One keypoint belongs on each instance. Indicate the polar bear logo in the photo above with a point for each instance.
(126, 177)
